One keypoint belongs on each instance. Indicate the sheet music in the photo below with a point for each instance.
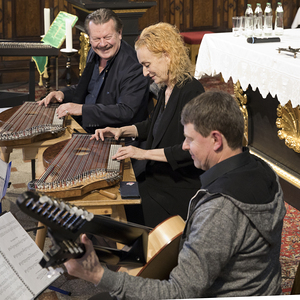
(23, 255)
(11, 286)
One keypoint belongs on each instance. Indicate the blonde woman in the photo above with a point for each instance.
(170, 178)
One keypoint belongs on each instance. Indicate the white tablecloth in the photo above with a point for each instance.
(259, 65)
(296, 21)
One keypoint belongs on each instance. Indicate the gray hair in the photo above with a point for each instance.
(102, 16)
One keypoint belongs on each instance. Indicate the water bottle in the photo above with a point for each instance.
(268, 19)
(258, 20)
(279, 19)
(249, 21)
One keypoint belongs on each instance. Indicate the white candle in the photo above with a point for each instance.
(46, 19)
(69, 40)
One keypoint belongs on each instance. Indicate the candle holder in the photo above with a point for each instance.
(68, 54)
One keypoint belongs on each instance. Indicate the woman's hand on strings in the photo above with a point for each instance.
(107, 132)
(131, 152)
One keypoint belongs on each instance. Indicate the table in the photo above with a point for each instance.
(259, 65)
(270, 83)
(296, 21)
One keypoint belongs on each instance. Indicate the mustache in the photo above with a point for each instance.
(103, 48)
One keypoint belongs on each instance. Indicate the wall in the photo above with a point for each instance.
(23, 20)
(193, 15)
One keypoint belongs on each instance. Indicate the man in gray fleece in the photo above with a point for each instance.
(231, 242)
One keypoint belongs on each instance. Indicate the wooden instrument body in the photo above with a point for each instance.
(163, 248)
(6, 115)
(70, 157)
(82, 189)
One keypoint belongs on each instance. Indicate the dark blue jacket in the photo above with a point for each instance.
(123, 97)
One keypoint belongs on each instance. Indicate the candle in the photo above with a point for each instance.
(46, 19)
(69, 41)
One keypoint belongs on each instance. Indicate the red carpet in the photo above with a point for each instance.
(290, 248)
(216, 82)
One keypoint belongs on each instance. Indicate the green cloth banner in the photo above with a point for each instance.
(56, 34)
(41, 63)
(54, 37)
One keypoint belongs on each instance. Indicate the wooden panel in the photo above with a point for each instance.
(151, 16)
(1, 19)
(187, 14)
(203, 13)
(25, 24)
(217, 11)
(164, 11)
(17, 22)
(178, 13)
(231, 10)
(241, 7)
(7, 20)
(215, 15)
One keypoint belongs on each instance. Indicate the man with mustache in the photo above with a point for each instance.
(112, 90)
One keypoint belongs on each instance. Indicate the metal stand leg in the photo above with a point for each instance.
(31, 80)
(33, 169)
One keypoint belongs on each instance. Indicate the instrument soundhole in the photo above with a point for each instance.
(31, 113)
(82, 151)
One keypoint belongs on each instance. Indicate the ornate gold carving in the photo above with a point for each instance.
(241, 99)
(289, 122)
(84, 49)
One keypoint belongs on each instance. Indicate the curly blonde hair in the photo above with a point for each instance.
(165, 38)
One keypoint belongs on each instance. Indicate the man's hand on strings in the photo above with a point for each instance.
(69, 108)
(87, 267)
(53, 97)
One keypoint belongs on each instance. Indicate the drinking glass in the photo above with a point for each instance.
(242, 25)
(236, 23)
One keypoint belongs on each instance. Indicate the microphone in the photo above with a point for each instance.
(254, 40)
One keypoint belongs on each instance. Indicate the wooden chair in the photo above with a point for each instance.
(193, 40)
